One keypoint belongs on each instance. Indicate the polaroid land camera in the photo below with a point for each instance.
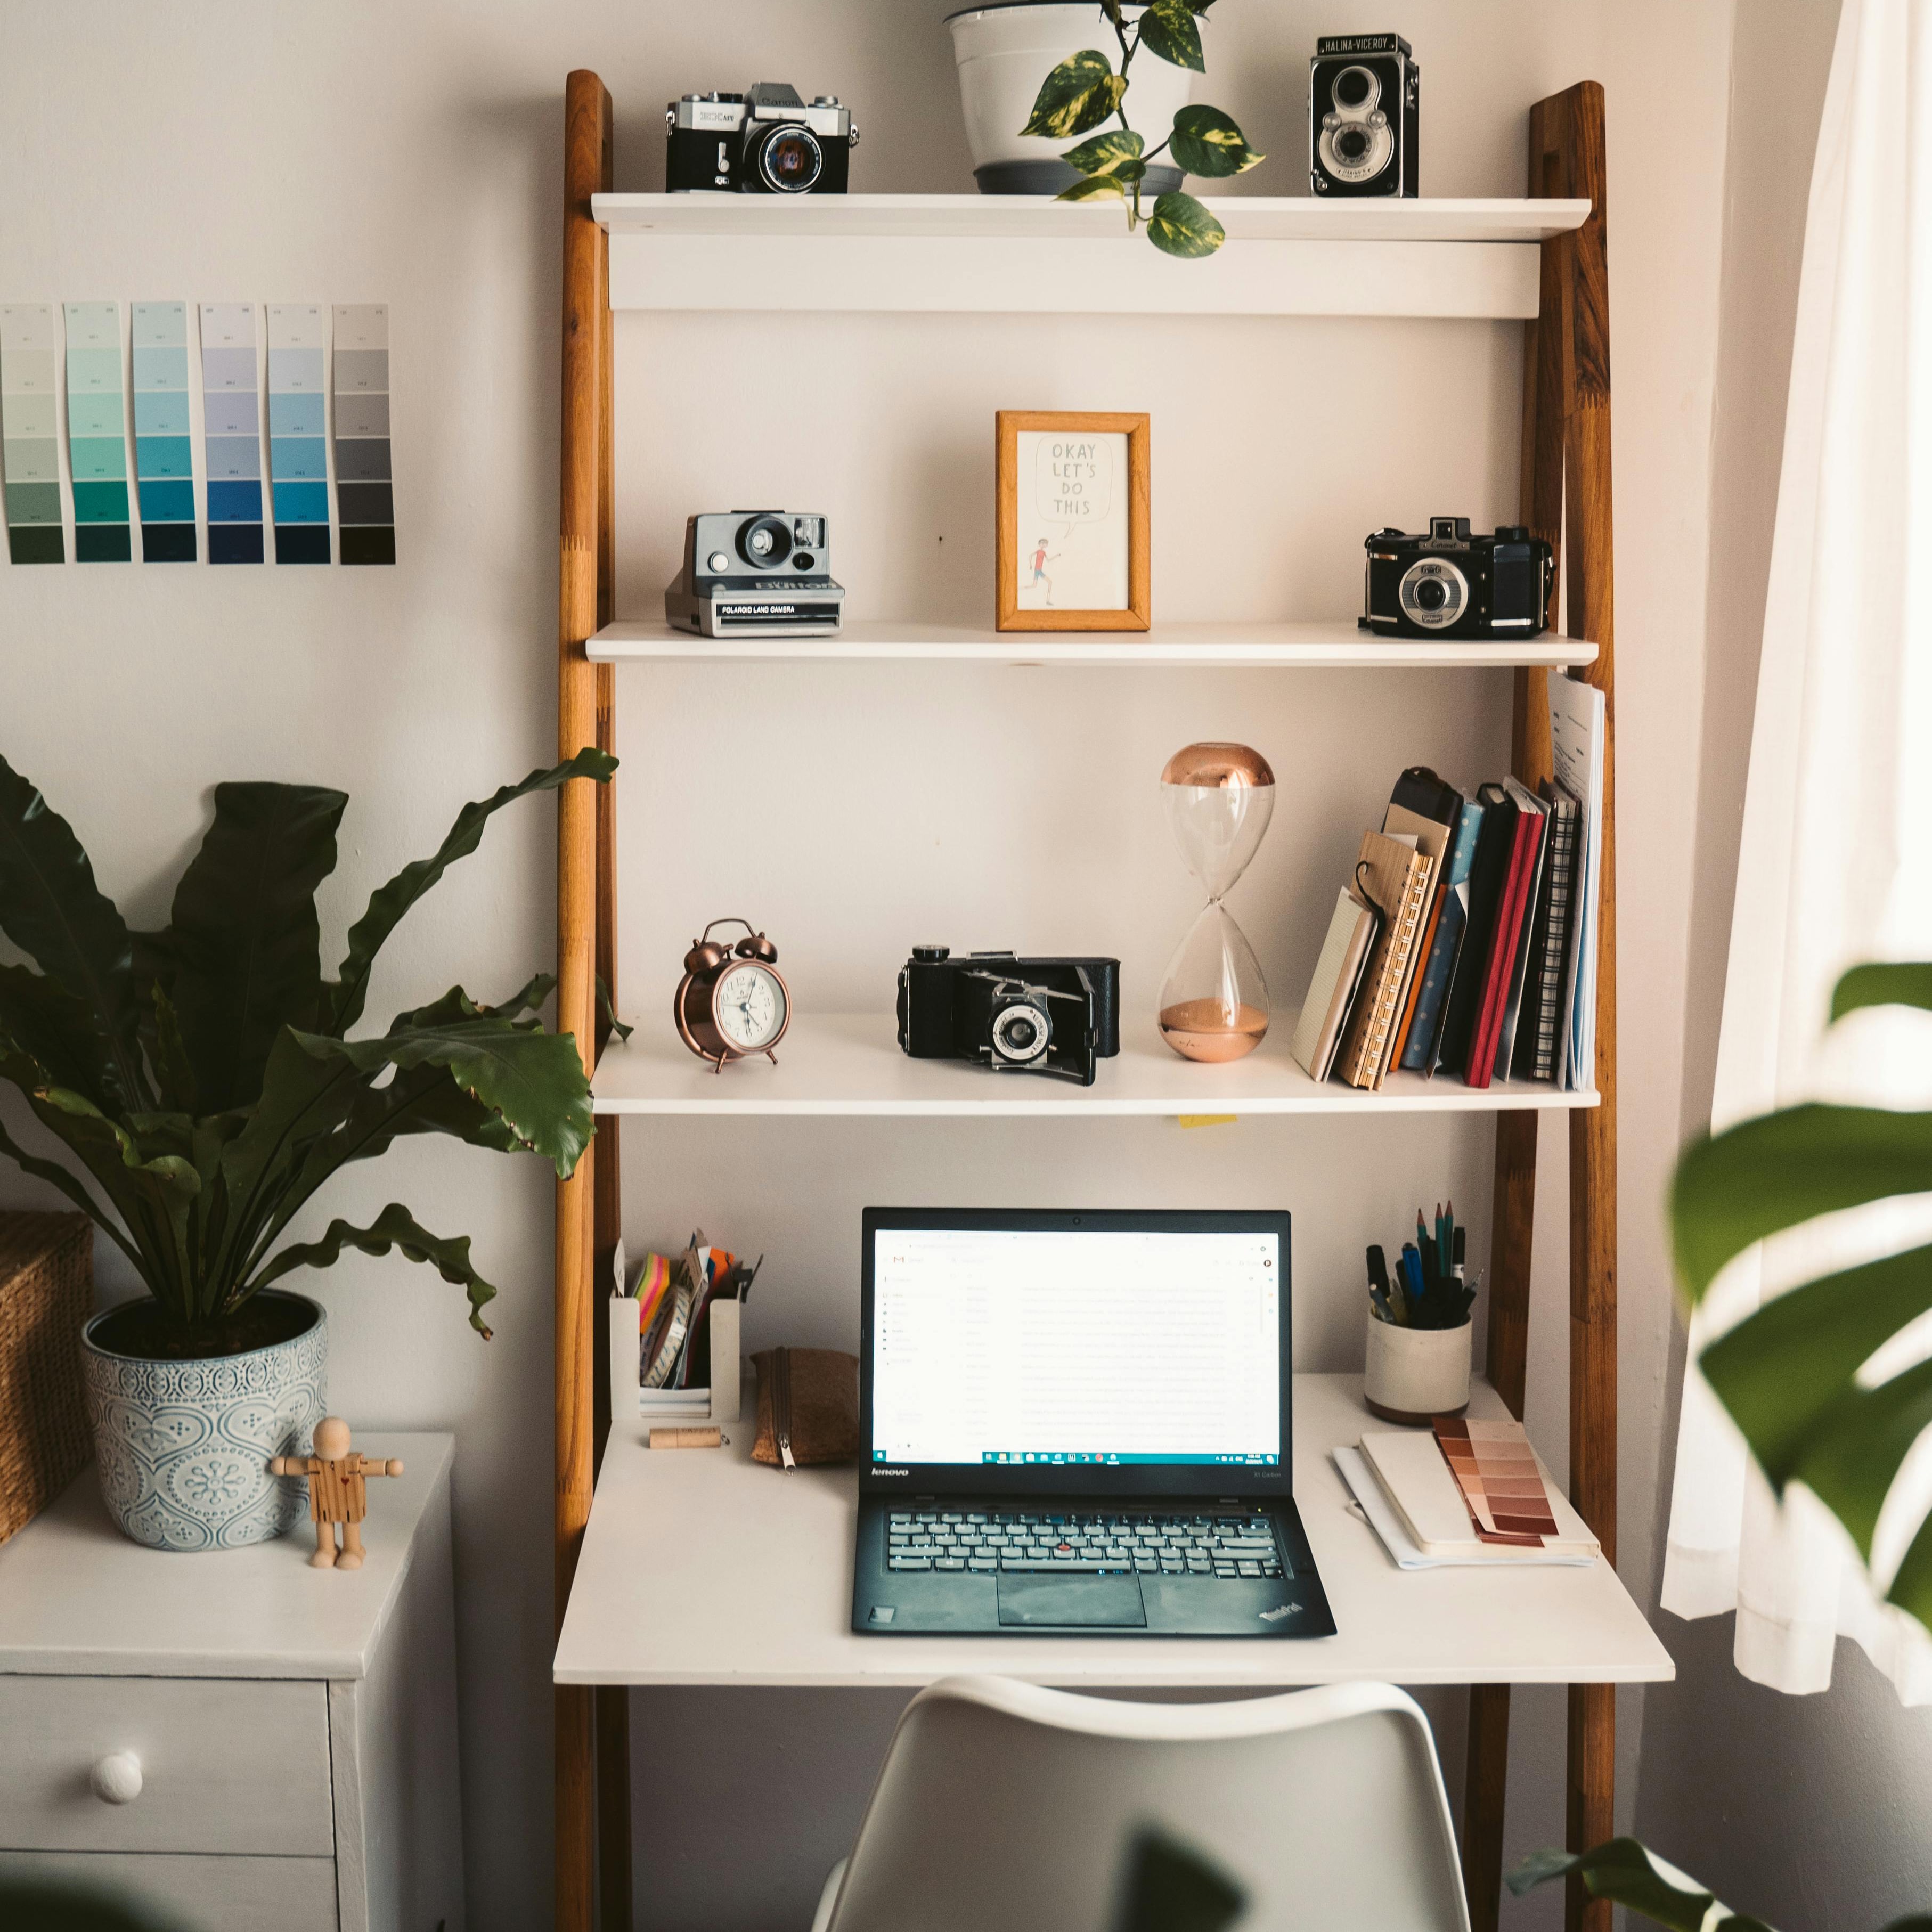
(1054, 1016)
(764, 141)
(1363, 89)
(1451, 584)
(755, 573)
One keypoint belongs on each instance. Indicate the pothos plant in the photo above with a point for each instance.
(202, 1078)
(1084, 92)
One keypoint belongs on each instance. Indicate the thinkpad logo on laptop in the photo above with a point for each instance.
(1279, 1611)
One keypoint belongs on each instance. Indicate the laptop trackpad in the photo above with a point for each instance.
(1104, 1601)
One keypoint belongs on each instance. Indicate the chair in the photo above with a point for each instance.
(1004, 1805)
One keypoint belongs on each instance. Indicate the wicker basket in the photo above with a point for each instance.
(46, 1293)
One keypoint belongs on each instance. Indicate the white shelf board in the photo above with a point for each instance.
(703, 1567)
(1316, 646)
(78, 1598)
(850, 1063)
(1030, 255)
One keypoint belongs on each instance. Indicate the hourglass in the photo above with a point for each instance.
(1214, 1002)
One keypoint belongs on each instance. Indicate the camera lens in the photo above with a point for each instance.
(765, 542)
(791, 160)
(1430, 594)
(1352, 144)
(804, 560)
(1356, 87)
(1019, 1033)
(1433, 593)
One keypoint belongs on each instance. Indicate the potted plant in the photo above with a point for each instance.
(1001, 51)
(204, 1086)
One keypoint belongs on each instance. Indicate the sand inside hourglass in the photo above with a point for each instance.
(1213, 1030)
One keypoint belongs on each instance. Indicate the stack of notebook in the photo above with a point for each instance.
(1457, 942)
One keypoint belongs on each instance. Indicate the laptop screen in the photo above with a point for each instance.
(1113, 1353)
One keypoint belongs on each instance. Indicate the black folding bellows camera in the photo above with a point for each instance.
(1055, 1016)
(1452, 584)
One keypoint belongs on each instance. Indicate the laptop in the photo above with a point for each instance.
(1078, 1424)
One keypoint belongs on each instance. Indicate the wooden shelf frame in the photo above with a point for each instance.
(1462, 259)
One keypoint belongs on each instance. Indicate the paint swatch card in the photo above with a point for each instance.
(164, 444)
(231, 406)
(30, 434)
(364, 488)
(97, 434)
(1501, 1481)
(297, 441)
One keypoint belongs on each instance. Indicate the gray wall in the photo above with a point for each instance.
(1811, 1811)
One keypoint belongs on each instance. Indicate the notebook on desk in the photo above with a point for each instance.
(1079, 1424)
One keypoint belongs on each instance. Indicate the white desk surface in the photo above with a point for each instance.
(703, 1567)
(78, 1599)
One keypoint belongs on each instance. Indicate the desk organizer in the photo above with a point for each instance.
(628, 1397)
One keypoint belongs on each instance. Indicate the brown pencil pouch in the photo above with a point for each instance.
(808, 1406)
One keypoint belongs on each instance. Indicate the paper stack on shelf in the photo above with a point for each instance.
(1577, 732)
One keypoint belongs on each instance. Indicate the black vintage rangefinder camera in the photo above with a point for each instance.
(766, 140)
(1453, 584)
(1055, 1016)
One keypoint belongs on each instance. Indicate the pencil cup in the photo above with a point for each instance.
(1415, 1373)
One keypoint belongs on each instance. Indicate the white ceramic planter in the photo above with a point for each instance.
(184, 1446)
(1414, 1373)
(1003, 53)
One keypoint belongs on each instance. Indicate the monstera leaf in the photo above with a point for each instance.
(1789, 1374)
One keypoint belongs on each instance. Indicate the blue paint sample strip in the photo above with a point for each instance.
(30, 434)
(97, 434)
(164, 444)
(364, 486)
(232, 432)
(297, 442)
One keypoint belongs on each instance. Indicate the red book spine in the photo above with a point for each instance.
(1502, 953)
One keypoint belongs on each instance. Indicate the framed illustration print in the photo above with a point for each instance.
(1071, 521)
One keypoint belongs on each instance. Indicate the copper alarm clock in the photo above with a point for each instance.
(731, 1003)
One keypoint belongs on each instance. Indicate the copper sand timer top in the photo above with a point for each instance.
(1210, 764)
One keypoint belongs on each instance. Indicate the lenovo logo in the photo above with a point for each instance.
(878, 1471)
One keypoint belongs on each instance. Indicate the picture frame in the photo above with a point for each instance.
(1077, 479)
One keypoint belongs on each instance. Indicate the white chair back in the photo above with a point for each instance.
(1002, 1807)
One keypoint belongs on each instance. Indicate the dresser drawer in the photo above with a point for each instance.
(225, 1765)
(212, 1894)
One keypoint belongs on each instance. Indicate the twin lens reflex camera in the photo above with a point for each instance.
(1453, 584)
(755, 573)
(765, 141)
(1053, 1016)
(1363, 91)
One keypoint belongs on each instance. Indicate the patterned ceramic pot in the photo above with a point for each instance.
(184, 1446)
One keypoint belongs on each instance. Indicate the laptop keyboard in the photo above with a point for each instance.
(1152, 1542)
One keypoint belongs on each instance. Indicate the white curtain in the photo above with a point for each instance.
(1836, 860)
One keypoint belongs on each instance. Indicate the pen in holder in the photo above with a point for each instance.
(1417, 1365)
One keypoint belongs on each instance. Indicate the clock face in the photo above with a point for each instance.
(749, 1007)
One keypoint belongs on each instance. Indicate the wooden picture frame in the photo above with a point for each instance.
(1021, 607)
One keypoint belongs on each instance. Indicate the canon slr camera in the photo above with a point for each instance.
(755, 573)
(766, 141)
(1060, 1017)
(1363, 92)
(1452, 584)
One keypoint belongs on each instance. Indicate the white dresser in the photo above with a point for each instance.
(233, 1737)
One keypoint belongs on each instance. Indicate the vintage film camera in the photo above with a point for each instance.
(755, 573)
(764, 141)
(1363, 90)
(1053, 1016)
(1452, 584)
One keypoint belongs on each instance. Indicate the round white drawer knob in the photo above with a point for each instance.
(116, 1779)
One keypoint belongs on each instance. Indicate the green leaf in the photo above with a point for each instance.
(1885, 983)
(1168, 29)
(607, 1022)
(388, 904)
(1852, 1452)
(1780, 1169)
(244, 935)
(1780, 1370)
(172, 1067)
(1181, 225)
(394, 1227)
(1079, 94)
(1625, 1872)
(70, 1184)
(535, 1080)
(1205, 142)
(1104, 154)
(53, 911)
(55, 1029)
(1094, 187)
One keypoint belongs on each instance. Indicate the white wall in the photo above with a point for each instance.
(354, 152)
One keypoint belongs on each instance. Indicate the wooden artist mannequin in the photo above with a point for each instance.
(336, 1492)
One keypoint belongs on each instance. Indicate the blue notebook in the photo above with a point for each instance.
(1438, 970)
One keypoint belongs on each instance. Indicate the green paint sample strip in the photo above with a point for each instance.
(30, 464)
(97, 434)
